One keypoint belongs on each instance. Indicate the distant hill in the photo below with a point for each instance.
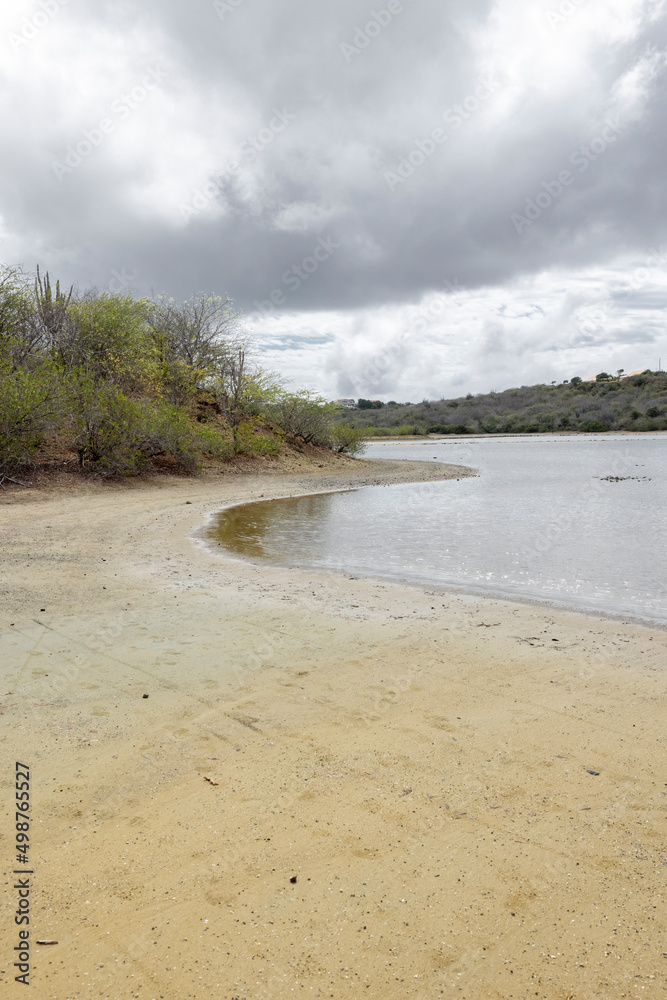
(637, 403)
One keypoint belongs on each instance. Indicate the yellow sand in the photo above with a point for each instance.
(418, 761)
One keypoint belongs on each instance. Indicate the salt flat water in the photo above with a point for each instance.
(542, 521)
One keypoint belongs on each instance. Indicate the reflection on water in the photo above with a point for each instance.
(540, 521)
(270, 529)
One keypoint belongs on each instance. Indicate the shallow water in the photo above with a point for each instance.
(539, 522)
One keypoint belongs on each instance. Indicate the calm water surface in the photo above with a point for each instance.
(540, 521)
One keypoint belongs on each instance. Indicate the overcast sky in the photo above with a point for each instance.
(406, 199)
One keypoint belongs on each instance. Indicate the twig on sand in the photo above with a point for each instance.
(11, 480)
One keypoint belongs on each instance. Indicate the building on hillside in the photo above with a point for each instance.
(639, 371)
(349, 403)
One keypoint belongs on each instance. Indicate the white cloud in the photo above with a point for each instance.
(546, 328)
(633, 89)
(304, 216)
(258, 196)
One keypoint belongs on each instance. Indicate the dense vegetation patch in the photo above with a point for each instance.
(127, 384)
(638, 403)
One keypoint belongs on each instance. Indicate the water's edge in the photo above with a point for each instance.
(202, 537)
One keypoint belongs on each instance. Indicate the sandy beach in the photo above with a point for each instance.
(335, 787)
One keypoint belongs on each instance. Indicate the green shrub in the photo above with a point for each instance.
(346, 439)
(212, 441)
(169, 432)
(449, 429)
(108, 428)
(109, 339)
(254, 438)
(30, 407)
(120, 436)
(303, 415)
(18, 338)
(416, 430)
(592, 426)
(529, 427)
(372, 431)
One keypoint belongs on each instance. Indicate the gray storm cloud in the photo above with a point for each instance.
(308, 158)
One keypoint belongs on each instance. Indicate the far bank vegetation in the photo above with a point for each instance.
(118, 385)
(611, 403)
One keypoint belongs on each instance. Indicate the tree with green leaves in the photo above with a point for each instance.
(240, 386)
(18, 338)
(31, 406)
(191, 340)
(305, 416)
(123, 381)
(346, 439)
(108, 338)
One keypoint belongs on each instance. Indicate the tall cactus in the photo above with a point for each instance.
(52, 311)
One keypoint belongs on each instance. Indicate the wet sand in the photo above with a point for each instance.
(336, 787)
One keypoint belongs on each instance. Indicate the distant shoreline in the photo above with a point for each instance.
(524, 434)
